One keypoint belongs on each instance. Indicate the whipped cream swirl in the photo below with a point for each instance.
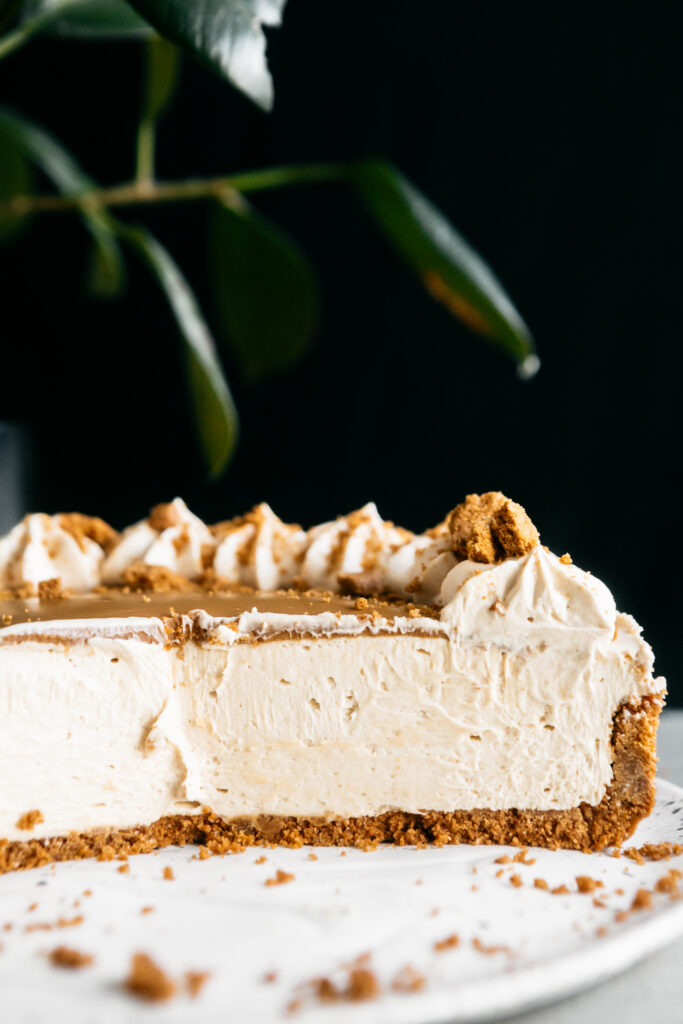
(258, 550)
(522, 596)
(43, 547)
(394, 560)
(171, 537)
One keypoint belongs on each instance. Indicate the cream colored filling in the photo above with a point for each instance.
(113, 732)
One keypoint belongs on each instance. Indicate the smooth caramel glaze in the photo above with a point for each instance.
(117, 604)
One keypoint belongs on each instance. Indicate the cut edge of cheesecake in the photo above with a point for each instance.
(587, 828)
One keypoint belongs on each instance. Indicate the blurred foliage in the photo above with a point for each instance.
(266, 295)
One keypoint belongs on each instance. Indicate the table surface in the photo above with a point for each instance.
(652, 991)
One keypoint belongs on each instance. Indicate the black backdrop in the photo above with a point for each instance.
(549, 133)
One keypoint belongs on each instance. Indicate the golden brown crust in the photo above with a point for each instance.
(629, 798)
(490, 527)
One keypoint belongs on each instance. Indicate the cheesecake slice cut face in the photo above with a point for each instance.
(256, 683)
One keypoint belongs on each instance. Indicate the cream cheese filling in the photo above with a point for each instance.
(117, 710)
(113, 732)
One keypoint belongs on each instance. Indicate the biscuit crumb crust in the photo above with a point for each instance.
(629, 798)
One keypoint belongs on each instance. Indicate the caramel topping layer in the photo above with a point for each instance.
(116, 604)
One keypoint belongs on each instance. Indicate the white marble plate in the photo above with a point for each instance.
(217, 915)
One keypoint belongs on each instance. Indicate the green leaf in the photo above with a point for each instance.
(107, 18)
(225, 35)
(265, 290)
(15, 180)
(163, 65)
(106, 276)
(449, 268)
(58, 165)
(213, 406)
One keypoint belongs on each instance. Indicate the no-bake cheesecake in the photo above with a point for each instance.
(354, 683)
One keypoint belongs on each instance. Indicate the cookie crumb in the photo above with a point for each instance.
(148, 981)
(195, 981)
(168, 873)
(654, 851)
(281, 878)
(72, 959)
(163, 517)
(361, 584)
(61, 922)
(155, 579)
(668, 883)
(488, 950)
(642, 900)
(490, 527)
(363, 986)
(450, 942)
(408, 980)
(28, 821)
(83, 528)
(51, 590)
(586, 884)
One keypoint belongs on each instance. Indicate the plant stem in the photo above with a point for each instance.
(277, 177)
(142, 192)
(157, 87)
(18, 36)
(144, 154)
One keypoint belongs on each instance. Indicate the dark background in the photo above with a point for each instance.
(549, 134)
